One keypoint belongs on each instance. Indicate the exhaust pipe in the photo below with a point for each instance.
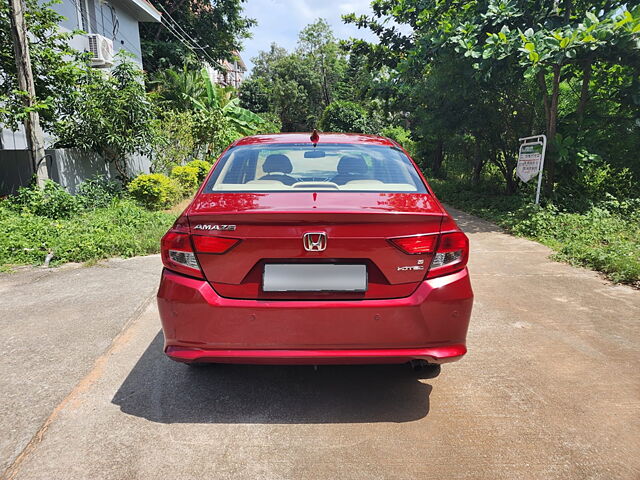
(425, 369)
(418, 365)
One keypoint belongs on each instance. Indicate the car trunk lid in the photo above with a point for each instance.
(271, 227)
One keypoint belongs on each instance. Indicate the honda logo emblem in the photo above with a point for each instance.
(315, 242)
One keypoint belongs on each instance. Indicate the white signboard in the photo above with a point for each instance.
(531, 160)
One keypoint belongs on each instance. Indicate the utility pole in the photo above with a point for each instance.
(35, 141)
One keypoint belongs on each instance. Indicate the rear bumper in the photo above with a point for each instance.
(446, 354)
(201, 326)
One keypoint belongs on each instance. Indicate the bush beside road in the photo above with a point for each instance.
(51, 226)
(103, 220)
(604, 236)
(122, 229)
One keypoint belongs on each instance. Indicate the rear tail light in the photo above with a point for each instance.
(215, 245)
(452, 254)
(416, 244)
(450, 251)
(179, 255)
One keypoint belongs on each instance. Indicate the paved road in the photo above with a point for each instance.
(549, 390)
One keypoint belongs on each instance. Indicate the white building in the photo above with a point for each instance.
(228, 73)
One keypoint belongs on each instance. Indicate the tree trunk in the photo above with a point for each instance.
(33, 132)
(542, 82)
(478, 163)
(551, 117)
(512, 186)
(499, 159)
(567, 11)
(438, 157)
(550, 159)
(508, 172)
(584, 91)
(119, 162)
(325, 83)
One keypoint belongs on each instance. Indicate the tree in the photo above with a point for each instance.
(218, 117)
(297, 86)
(56, 66)
(551, 53)
(504, 51)
(288, 86)
(255, 95)
(265, 61)
(320, 51)
(214, 27)
(111, 115)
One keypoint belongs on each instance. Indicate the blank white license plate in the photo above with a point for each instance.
(314, 278)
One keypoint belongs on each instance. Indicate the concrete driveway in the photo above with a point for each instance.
(549, 390)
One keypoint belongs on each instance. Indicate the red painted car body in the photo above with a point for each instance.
(213, 297)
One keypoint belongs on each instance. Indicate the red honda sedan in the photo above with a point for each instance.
(315, 250)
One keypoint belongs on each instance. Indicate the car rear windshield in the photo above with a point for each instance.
(291, 167)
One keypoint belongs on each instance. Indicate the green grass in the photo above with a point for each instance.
(604, 237)
(122, 229)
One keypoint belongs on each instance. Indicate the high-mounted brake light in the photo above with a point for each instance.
(416, 244)
(217, 245)
(315, 137)
(178, 254)
(452, 254)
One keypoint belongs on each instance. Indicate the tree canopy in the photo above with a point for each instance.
(54, 62)
(213, 28)
(298, 86)
(481, 74)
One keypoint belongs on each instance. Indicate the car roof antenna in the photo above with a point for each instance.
(314, 138)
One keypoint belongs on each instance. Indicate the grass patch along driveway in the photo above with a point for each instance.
(122, 229)
(605, 237)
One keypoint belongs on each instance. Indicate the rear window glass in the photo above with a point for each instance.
(290, 167)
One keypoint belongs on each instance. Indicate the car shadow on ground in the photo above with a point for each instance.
(161, 390)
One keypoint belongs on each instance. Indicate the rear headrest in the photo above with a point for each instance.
(277, 163)
(352, 164)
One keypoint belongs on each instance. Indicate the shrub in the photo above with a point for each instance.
(122, 229)
(605, 237)
(202, 167)
(175, 141)
(592, 180)
(272, 123)
(403, 137)
(154, 190)
(52, 201)
(597, 238)
(98, 192)
(598, 178)
(343, 116)
(187, 178)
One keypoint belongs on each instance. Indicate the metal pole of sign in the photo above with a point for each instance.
(536, 140)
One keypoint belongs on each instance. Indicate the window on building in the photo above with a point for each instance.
(86, 15)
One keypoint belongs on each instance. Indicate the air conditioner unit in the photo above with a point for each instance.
(101, 49)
